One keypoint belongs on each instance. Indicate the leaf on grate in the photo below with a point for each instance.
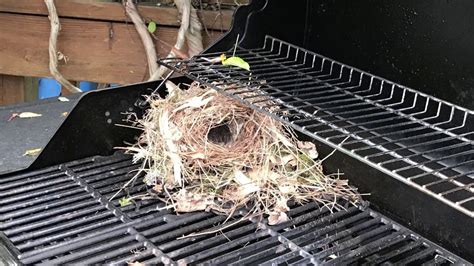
(236, 61)
(124, 202)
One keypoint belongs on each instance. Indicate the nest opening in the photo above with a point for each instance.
(220, 134)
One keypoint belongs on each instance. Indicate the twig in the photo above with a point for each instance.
(53, 52)
(218, 229)
(236, 43)
(147, 41)
(189, 31)
(128, 183)
(332, 152)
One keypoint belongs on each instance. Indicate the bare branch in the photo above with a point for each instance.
(189, 31)
(142, 30)
(53, 52)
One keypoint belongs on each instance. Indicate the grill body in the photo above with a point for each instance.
(365, 35)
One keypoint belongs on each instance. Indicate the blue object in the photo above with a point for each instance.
(114, 85)
(48, 87)
(87, 86)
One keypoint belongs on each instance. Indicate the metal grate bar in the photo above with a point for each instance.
(274, 241)
(397, 130)
(353, 241)
(122, 239)
(222, 248)
(417, 256)
(94, 224)
(377, 259)
(370, 248)
(266, 253)
(80, 218)
(288, 257)
(36, 195)
(213, 243)
(87, 208)
(108, 233)
(310, 236)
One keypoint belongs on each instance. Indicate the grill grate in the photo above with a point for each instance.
(61, 215)
(420, 140)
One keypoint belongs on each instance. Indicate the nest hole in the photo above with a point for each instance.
(220, 134)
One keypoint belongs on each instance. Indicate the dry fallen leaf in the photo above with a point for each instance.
(189, 202)
(32, 152)
(283, 160)
(287, 188)
(63, 99)
(247, 185)
(12, 116)
(277, 218)
(195, 102)
(158, 188)
(197, 155)
(28, 115)
(309, 148)
(281, 205)
(136, 263)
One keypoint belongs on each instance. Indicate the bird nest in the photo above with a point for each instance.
(202, 150)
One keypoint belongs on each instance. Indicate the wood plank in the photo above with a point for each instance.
(11, 89)
(218, 20)
(31, 89)
(228, 2)
(104, 52)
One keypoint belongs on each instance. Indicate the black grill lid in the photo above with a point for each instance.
(61, 214)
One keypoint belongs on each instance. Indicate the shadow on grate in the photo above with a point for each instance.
(62, 215)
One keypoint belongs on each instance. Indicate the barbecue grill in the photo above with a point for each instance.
(410, 150)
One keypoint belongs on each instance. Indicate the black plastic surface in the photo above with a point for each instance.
(426, 45)
(19, 135)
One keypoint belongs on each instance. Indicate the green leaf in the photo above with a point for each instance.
(152, 27)
(124, 202)
(236, 61)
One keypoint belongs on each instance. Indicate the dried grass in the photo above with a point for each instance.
(205, 151)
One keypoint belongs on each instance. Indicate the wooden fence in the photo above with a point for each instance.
(100, 42)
